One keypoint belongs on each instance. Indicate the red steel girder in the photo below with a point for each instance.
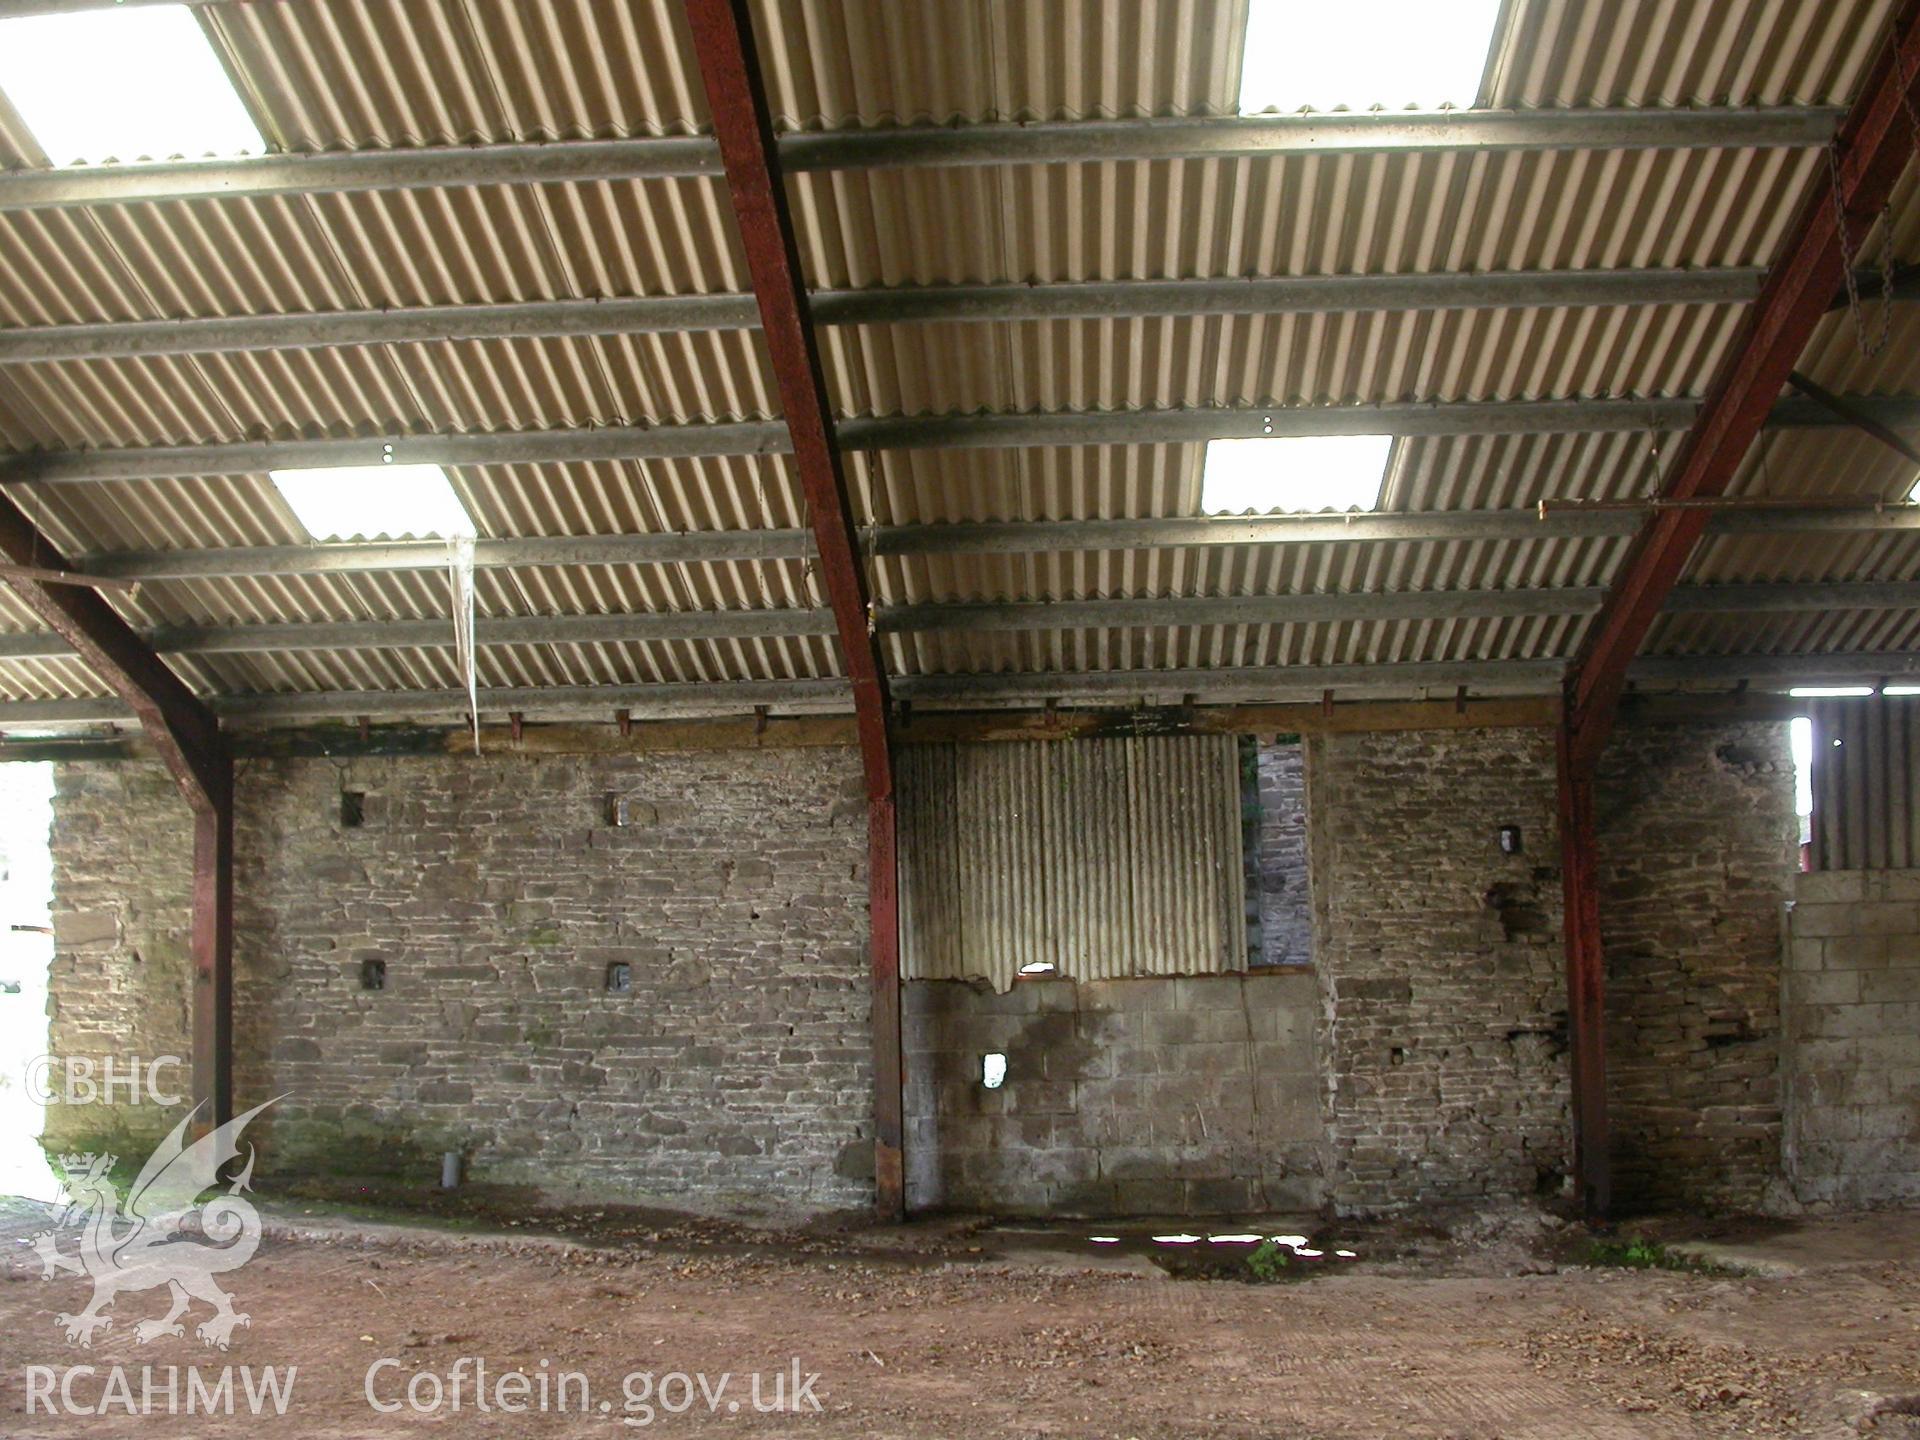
(1873, 147)
(183, 730)
(187, 736)
(730, 66)
(212, 1003)
(889, 1070)
(1874, 144)
(1586, 987)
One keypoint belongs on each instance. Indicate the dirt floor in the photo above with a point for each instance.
(1484, 1325)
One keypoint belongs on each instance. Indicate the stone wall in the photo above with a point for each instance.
(1696, 836)
(1422, 1058)
(1853, 1025)
(1122, 1097)
(736, 1069)
(1440, 959)
(120, 981)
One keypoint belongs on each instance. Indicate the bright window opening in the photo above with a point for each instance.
(993, 1070)
(1900, 690)
(1831, 692)
(1359, 54)
(374, 502)
(1297, 475)
(1800, 733)
(26, 951)
(140, 83)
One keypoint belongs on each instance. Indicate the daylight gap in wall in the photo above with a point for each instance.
(26, 953)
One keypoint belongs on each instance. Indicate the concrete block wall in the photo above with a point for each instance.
(1122, 1097)
(1697, 852)
(1853, 1026)
(737, 1070)
(1441, 964)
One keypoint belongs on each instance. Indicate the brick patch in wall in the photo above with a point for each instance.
(1280, 859)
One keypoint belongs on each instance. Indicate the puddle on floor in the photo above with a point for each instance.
(1236, 1252)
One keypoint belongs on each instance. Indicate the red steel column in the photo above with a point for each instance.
(188, 738)
(1875, 142)
(743, 124)
(889, 1073)
(213, 955)
(1586, 985)
(1874, 145)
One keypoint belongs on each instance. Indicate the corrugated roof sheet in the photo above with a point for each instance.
(359, 74)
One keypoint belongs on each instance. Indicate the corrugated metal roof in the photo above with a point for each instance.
(358, 74)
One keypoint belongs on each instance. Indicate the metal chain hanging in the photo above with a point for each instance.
(1889, 262)
(1906, 88)
(1653, 455)
(1868, 348)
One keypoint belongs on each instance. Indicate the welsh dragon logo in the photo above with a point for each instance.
(153, 1244)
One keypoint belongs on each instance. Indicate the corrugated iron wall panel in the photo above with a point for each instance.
(1866, 783)
(1004, 921)
(929, 870)
(1188, 865)
(1102, 858)
(1090, 881)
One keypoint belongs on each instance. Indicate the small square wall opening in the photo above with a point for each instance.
(993, 1069)
(619, 978)
(353, 809)
(373, 974)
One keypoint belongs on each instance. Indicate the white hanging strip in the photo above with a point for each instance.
(460, 578)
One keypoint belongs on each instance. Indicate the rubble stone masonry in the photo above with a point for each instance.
(1420, 1058)
(1440, 964)
(496, 894)
(1697, 841)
